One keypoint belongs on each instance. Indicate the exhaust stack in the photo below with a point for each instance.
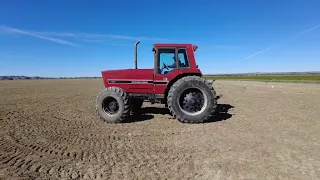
(136, 55)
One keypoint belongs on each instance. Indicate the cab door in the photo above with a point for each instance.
(165, 68)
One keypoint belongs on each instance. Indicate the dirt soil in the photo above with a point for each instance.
(50, 130)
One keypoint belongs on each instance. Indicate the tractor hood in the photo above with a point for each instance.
(128, 74)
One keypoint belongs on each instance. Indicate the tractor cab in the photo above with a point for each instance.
(172, 61)
(173, 56)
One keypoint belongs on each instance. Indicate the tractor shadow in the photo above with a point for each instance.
(221, 113)
(139, 118)
(155, 110)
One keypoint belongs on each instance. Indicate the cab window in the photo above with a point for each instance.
(166, 60)
(183, 58)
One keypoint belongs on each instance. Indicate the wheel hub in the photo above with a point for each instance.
(192, 101)
(113, 106)
(110, 106)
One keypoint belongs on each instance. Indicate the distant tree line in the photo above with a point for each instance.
(268, 73)
(227, 74)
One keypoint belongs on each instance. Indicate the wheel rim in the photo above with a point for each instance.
(110, 106)
(193, 101)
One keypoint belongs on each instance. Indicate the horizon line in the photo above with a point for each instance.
(204, 74)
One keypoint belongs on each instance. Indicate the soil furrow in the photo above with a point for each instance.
(50, 130)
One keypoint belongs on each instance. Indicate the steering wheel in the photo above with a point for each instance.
(165, 66)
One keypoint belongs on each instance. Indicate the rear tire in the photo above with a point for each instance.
(112, 105)
(192, 100)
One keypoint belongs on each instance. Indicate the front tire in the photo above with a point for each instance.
(112, 105)
(192, 100)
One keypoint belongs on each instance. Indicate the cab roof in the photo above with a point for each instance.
(194, 47)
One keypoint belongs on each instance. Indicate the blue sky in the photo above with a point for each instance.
(81, 38)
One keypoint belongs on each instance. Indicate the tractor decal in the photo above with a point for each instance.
(123, 81)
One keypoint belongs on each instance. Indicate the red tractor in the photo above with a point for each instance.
(174, 81)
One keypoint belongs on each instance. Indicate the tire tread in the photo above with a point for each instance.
(194, 80)
(123, 96)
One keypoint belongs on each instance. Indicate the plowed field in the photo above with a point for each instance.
(50, 130)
